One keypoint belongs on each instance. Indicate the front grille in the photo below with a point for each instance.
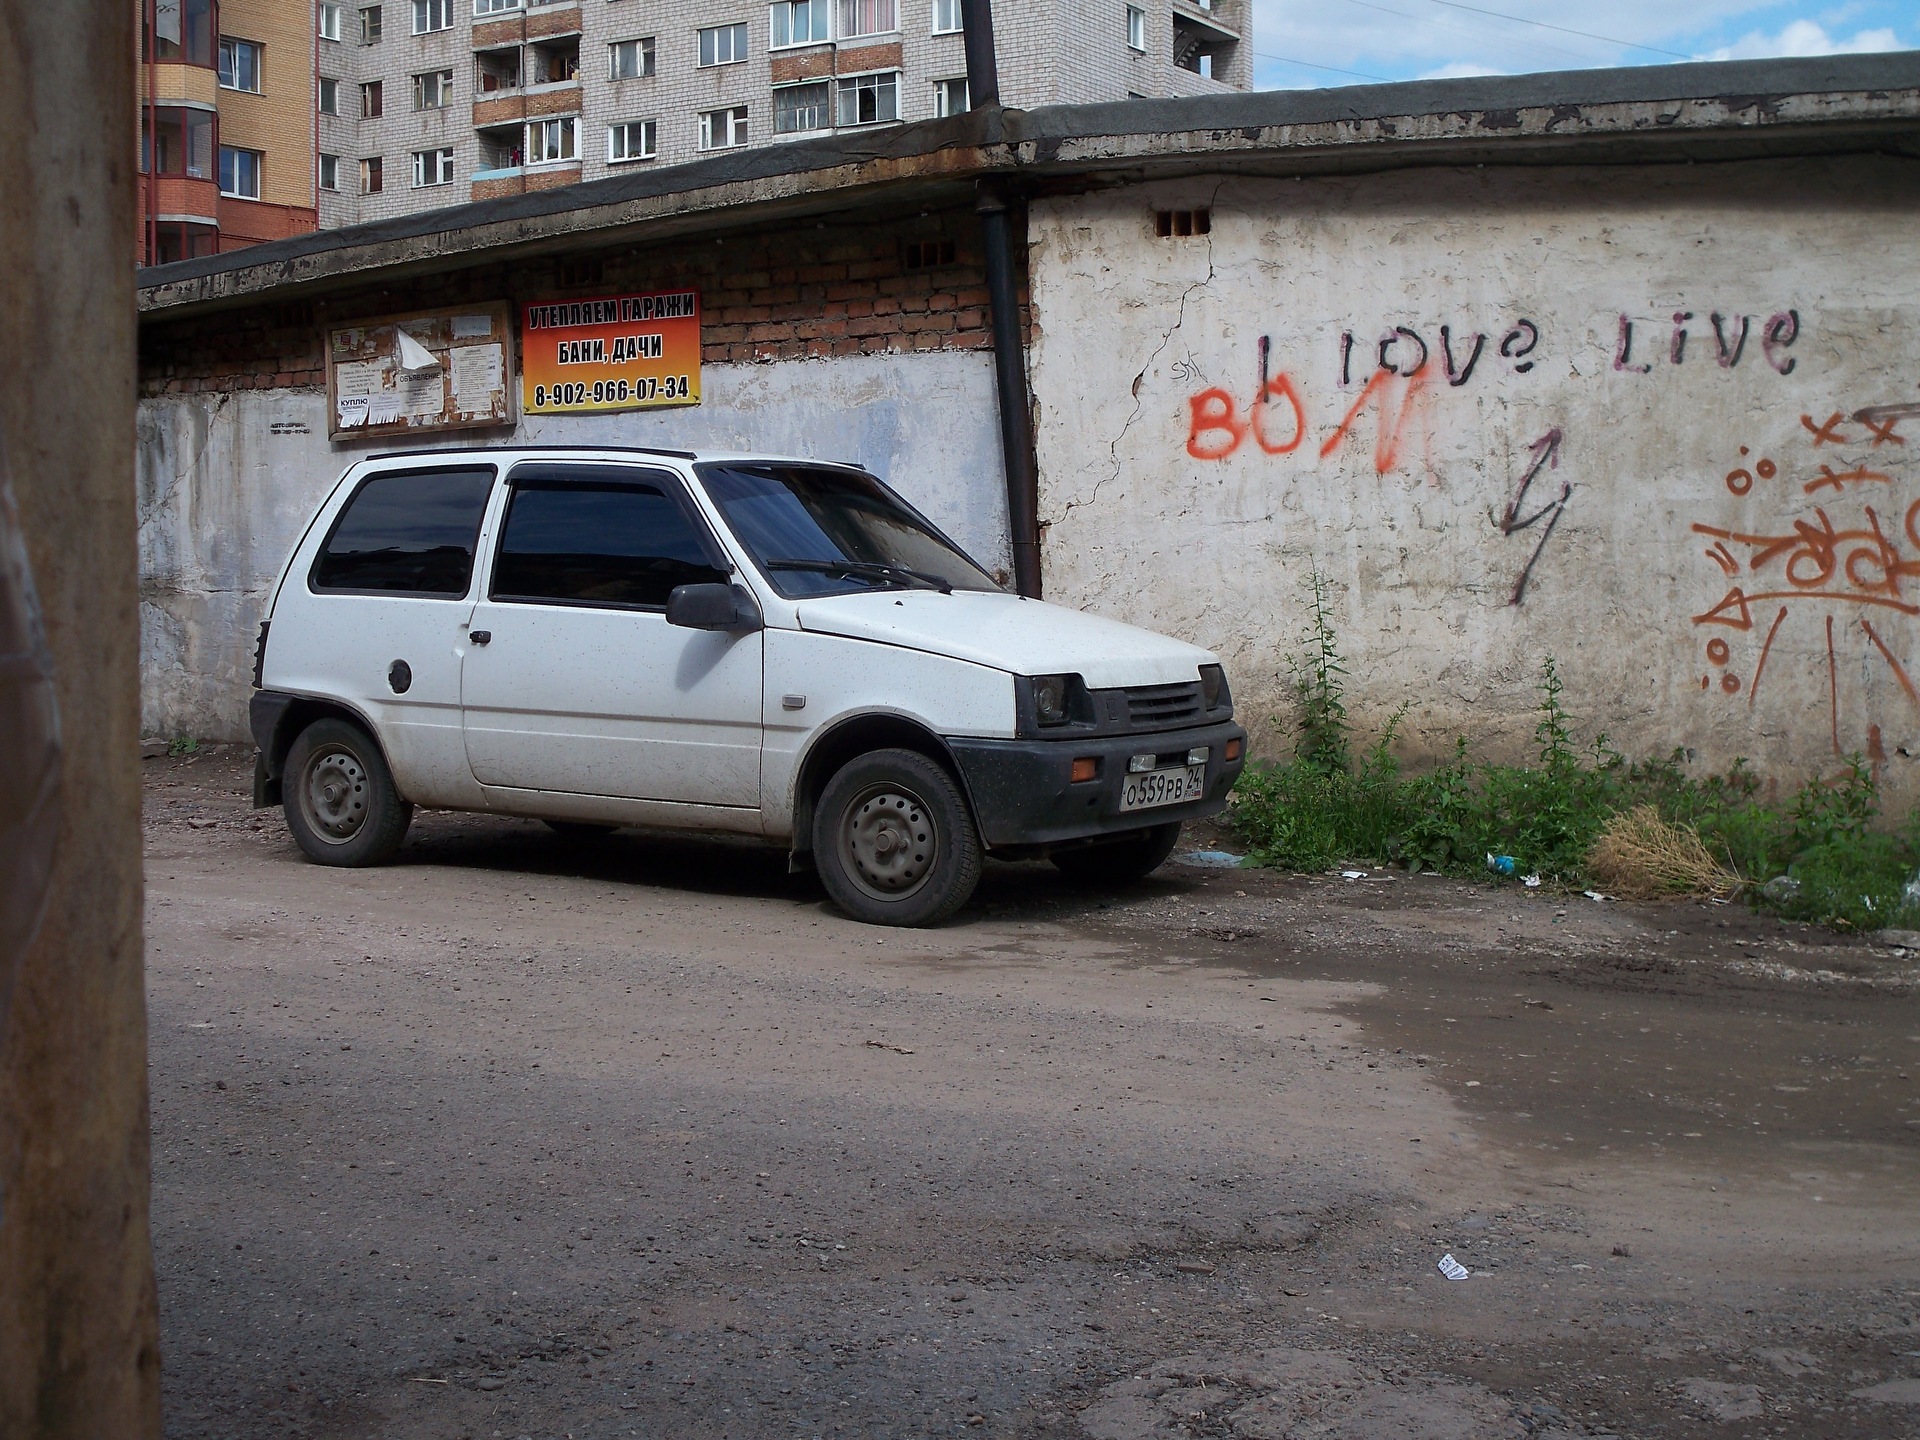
(1158, 707)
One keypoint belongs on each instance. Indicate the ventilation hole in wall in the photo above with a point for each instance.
(927, 254)
(1171, 224)
(581, 272)
(293, 317)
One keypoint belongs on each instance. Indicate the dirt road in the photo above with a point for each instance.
(532, 1137)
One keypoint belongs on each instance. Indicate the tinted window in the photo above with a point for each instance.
(411, 533)
(598, 537)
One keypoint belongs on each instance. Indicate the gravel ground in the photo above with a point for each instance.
(523, 1136)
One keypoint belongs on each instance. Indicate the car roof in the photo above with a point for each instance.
(599, 451)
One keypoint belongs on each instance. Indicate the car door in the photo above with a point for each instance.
(573, 681)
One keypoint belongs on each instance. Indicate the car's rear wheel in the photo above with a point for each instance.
(1131, 857)
(894, 842)
(339, 797)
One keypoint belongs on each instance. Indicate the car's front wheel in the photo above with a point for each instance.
(1115, 861)
(339, 797)
(894, 842)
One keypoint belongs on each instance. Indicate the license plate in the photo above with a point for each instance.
(1164, 787)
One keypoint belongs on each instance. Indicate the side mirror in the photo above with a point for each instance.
(713, 607)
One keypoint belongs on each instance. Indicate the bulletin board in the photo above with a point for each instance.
(434, 370)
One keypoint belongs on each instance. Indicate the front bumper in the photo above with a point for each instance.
(1023, 790)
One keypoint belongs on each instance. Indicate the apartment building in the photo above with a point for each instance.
(425, 103)
(227, 125)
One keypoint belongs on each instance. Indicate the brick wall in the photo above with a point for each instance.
(812, 290)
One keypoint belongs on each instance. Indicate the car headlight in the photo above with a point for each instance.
(1050, 698)
(1213, 685)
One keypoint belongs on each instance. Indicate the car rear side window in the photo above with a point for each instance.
(596, 535)
(409, 532)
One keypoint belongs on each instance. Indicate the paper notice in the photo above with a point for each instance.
(360, 377)
(384, 408)
(477, 378)
(352, 411)
(423, 395)
(472, 327)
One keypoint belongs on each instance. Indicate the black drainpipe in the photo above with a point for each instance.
(1003, 298)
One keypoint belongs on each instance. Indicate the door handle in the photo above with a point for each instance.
(480, 637)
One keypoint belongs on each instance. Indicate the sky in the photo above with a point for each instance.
(1304, 44)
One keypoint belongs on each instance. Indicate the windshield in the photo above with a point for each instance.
(814, 531)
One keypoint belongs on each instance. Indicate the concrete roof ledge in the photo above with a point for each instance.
(1704, 110)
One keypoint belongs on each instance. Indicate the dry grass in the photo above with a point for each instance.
(1639, 856)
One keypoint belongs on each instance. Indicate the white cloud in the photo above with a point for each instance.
(1804, 37)
(1462, 70)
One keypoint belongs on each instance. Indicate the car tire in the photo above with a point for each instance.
(579, 829)
(894, 842)
(1132, 857)
(339, 797)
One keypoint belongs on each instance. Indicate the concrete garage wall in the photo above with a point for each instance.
(1485, 426)
(227, 479)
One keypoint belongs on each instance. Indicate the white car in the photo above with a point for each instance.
(759, 646)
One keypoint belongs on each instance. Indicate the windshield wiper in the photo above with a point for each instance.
(866, 570)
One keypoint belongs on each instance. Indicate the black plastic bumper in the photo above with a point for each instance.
(266, 713)
(1024, 792)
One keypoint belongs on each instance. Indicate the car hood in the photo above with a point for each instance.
(1026, 637)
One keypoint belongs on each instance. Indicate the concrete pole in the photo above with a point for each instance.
(79, 1347)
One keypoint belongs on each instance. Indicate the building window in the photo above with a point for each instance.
(632, 140)
(329, 96)
(723, 129)
(431, 15)
(183, 32)
(950, 97)
(800, 108)
(550, 142)
(239, 65)
(867, 17)
(1136, 28)
(496, 7)
(869, 99)
(240, 173)
(372, 176)
(433, 90)
(946, 17)
(496, 70)
(370, 25)
(179, 141)
(329, 172)
(798, 22)
(372, 100)
(631, 59)
(723, 45)
(329, 20)
(432, 167)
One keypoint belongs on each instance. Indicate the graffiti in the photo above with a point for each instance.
(1777, 337)
(1404, 351)
(1546, 456)
(1852, 565)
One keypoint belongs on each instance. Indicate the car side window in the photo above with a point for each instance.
(409, 532)
(598, 535)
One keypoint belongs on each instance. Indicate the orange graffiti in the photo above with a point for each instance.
(1280, 386)
(1391, 430)
(1214, 413)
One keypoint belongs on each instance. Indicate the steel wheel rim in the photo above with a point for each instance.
(889, 840)
(334, 792)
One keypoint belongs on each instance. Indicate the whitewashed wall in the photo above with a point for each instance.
(227, 481)
(1724, 539)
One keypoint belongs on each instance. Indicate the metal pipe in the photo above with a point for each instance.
(1003, 303)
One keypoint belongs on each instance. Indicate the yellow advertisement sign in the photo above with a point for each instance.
(617, 352)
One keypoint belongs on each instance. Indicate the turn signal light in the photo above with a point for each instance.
(1085, 768)
(1233, 749)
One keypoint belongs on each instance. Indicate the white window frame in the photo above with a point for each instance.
(427, 12)
(1136, 29)
(442, 86)
(823, 83)
(845, 27)
(739, 44)
(236, 44)
(326, 86)
(649, 131)
(736, 118)
(432, 167)
(942, 108)
(329, 20)
(821, 8)
(844, 85)
(644, 51)
(484, 8)
(565, 125)
(238, 194)
(955, 20)
(327, 173)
